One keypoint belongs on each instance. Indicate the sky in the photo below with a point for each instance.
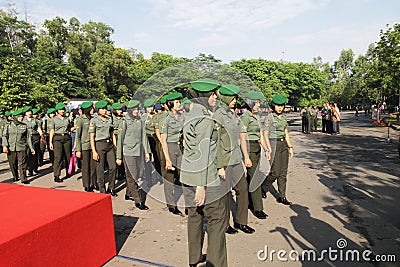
(289, 30)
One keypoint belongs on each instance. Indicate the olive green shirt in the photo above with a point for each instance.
(117, 123)
(250, 125)
(228, 146)
(172, 127)
(60, 126)
(159, 119)
(33, 125)
(101, 127)
(17, 137)
(199, 166)
(132, 140)
(149, 124)
(82, 137)
(276, 125)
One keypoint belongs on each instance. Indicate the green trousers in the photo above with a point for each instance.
(255, 199)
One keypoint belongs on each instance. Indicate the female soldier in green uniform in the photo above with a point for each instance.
(250, 141)
(205, 192)
(36, 133)
(82, 146)
(16, 139)
(171, 134)
(60, 141)
(229, 157)
(102, 142)
(148, 119)
(132, 145)
(278, 142)
(117, 119)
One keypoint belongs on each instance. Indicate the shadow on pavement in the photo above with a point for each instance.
(123, 226)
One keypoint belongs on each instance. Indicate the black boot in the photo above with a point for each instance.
(57, 179)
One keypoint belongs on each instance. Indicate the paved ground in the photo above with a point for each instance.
(343, 187)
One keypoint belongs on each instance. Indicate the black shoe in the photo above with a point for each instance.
(186, 211)
(15, 179)
(30, 173)
(67, 176)
(244, 228)
(57, 179)
(25, 182)
(129, 198)
(263, 194)
(88, 189)
(96, 187)
(283, 200)
(202, 259)
(230, 230)
(260, 214)
(36, 171)
(175, 211)
(112, 192)
(141, 206)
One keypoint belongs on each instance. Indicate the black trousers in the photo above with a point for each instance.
(17, 161)
(106, 152)
(323, 125)
(156, 160)
(33, 160)
(304, 124)
(62, 152)
(88, 169)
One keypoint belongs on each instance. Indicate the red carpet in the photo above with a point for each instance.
(50, 227)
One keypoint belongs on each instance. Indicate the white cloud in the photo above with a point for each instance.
(231, 15)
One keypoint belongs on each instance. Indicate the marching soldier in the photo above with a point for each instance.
(132, 145)
(171, 141)
(250, 141)
(60, 141)
(102, 142)
(83, 149)
(205, 192)
(304, 121)
(46, 129)
(148, 119)
(16, 139)
(279, 146)
(117, 119)
(36, 134)
(229, 157)
(309, 118)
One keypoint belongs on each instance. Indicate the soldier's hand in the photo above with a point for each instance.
(222, 173)
(5, 149)
(168, 165)
(200, 195)
(95, 156)
(147, 158)
(268, 154)
(78, 154)
(51, 146)
(33, 151)
(119, 162)
(248, 163)
(291, 152)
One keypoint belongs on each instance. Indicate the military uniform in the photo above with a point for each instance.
(172, 127)
(276, 127)
(309, 120)
(34, 127)
(102, 129)
(229, 158)
(132, 144)
(148, 120)
(62, 143)
(117, 123)
(16, 138)
(158, 121)
(304, 120)
(82, 144)
(199, 169)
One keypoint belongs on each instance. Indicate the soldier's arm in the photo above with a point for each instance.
(289, 143)
(5, 139)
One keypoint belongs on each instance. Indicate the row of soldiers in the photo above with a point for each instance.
(330, 117)
(193, 143)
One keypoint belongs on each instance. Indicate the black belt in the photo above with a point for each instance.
(278, 139)
(176, 143)
(104, 141)
(254, 141)
(61, 134)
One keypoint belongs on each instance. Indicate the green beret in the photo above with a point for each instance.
(87, 104)
(101, 104)
(186, 101)
(133, 104)
(229, 90)
(174, 96)
(35, 111)
(109, 107)
(51, 110)
(7, 113)
(279, 99)
(1, 112)
(163, 99)
(204, 85)
(148, 103)
(26, 109)
(60, 106)
(254, 95)
(116, 106)
(17, 112)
